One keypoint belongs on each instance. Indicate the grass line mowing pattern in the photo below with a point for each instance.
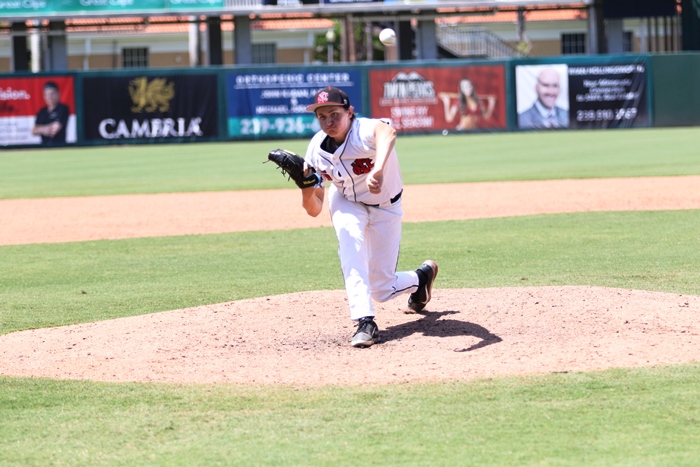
(57, 284)
(614, 417)
(165, 168)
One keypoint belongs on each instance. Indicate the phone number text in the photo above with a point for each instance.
(606, 114)
(276, 126)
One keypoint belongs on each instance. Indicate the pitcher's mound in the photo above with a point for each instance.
(303, 339)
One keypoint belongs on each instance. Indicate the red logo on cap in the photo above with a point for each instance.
(322, 97)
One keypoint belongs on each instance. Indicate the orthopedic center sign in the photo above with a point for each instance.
(273, 104)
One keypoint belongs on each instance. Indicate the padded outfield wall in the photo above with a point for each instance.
(244, 103)
(676, 98)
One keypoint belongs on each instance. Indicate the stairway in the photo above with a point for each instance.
(461, 42)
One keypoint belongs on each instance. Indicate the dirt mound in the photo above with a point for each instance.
(465, 334)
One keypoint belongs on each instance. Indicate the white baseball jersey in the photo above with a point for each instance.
(348, 166)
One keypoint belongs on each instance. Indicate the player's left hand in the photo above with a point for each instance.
(295, 168)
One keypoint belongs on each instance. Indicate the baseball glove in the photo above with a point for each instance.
(292, 165)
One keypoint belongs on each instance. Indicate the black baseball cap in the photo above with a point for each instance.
(329, 96)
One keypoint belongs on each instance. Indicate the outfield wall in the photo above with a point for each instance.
(264, 102)
(676, 97)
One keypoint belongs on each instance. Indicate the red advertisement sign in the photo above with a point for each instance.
(446, 98)
(37, 110)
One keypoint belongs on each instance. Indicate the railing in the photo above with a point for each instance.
(475, 42)
(242, 3)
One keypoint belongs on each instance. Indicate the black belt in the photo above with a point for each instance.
(392, 201)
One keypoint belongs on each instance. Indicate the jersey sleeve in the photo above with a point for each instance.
(366, 132)
(310, 156)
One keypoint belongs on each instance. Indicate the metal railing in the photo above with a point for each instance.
(243, 3)
(474, 42)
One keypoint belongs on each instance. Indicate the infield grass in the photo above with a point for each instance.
(56, 284)
(618, 417)
(424, 159)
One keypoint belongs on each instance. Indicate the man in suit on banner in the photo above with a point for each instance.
(544, 112)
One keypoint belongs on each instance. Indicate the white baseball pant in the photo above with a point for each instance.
(368, 246)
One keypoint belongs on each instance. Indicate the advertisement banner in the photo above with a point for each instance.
(446, 98)
(274, 104)
(542, 96)
(104, 5)
(33, 7)
(37, 110)
(194, 4)
(581, 96)
(157, 107)
(608, 96)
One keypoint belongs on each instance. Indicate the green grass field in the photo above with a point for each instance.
(616, 417)
(424, 159)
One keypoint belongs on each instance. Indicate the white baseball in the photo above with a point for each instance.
(387, 36)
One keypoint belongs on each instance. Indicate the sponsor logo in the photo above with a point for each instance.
(10, 94)
(153, 128)
(22, 5)
(408, 87)
(409, 97)
(151, 96)
(106, 3)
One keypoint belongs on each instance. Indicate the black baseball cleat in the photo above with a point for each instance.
(427, 273)
(367, 333)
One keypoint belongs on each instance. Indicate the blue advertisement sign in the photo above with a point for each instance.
(273, 104)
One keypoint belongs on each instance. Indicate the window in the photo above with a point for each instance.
(627, 41)
(264, 53)
(136, 57)
(573, 43)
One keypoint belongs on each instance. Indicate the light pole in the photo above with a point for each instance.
(330, 39)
